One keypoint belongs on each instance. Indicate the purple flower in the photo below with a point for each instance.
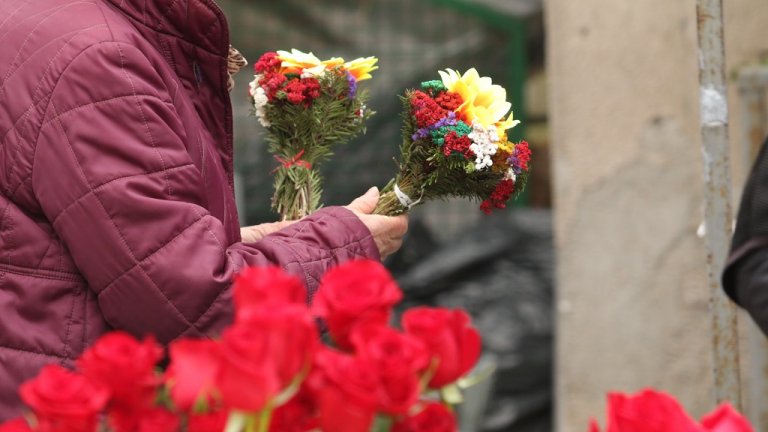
(448, 120)
(352, 85)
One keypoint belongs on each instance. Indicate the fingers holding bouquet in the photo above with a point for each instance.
(387, 231)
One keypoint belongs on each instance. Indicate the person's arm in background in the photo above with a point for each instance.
(750, 286)
(113, 175)
(745, 277)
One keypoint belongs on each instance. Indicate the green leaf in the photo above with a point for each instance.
(382, 423)
(236, 421)
(451, 394)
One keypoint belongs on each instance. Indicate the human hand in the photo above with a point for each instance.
(387, 231)
(254, 233)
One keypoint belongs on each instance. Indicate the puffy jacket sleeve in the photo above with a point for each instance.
(113, 175)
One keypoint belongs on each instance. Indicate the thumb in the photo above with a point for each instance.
(367, 202)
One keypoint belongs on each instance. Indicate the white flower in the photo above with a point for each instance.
(253, 85)
(483, 145)
(260, 98)
(510, 175)
(260, 101)
(261, 115)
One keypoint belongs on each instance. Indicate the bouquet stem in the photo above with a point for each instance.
(297, 192)
(390, 204)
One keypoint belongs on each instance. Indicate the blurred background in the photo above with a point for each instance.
(604, 290)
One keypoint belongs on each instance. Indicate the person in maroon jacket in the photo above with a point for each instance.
(116, 198)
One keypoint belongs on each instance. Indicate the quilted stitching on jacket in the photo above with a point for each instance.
(116, 207)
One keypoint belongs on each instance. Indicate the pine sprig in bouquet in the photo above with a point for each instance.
(307, 106)
(455, 144)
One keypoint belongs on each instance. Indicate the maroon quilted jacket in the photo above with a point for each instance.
(116, 202)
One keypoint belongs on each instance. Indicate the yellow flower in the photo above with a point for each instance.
(484, 101)
(361, 68)
(509, 123)
(299, 62)
(333, 62)
(296, 61)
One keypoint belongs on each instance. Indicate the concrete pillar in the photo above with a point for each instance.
(626, 159)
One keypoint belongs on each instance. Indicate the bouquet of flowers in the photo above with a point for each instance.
(455, 144)
(270, 371)
(307, 106)
(654, 411)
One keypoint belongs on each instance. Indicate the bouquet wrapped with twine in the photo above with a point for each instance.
(308, 106)
(455, 144)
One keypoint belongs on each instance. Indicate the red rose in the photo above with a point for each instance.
(450, 338)
(355, 292)
(655, 411)
(263, 355)
(211, 422)
(397, 357)
(17, 425)
(64, 401)
(127, 368)
(391, 350)
(648, 411)
(299, 414)
(725, 419)
(255, 286)
(156, 420)
(347, 392)
(435, 417)
(192, 372)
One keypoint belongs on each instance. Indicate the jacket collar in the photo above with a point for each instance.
(199, 22)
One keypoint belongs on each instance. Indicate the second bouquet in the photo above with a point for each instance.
(455, 144)
(307, 106)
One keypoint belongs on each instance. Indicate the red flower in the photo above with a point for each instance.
(655, 411)
(211, 422)
(156, 420)
(486, 206)
(347, 392)
(434, 417)
(127, 368)
(389, 349)
(449, 100)
(294, 91)
(450, 338)
(297, 415)
(17, 425)
(397, 357)
(272, 82)
(425, 110)
(455, 144)
(303, 90)
(725, 419)
(64, 401)
(192, 372)
(263, 355)
(648, 411)
(521, 156)
(499, 196)
(268, 62)
(353, 293)
(255, 286)
(311, 88)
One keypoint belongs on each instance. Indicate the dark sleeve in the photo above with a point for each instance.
(750, 286)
